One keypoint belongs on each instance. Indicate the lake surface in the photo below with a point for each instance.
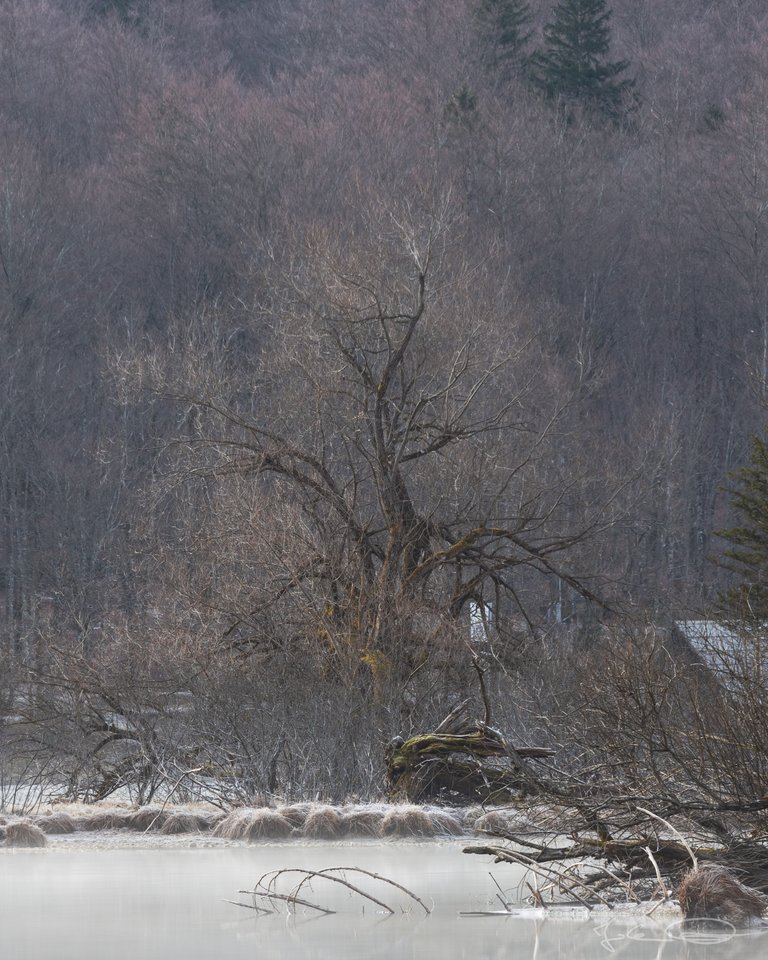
(70, 902)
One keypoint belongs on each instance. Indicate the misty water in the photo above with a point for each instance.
(111, 901)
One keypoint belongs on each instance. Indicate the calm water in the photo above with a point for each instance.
(118, 903)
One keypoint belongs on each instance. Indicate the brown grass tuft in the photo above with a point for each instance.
(262, 823)
(180, 822)
(296, 813)
(361, 822)
(24, 833)
(105, 820)
(497, 822)
(323, 823)
(147, 818)
(712, 892)
(57, 823)
(407, 820)
(447, 823)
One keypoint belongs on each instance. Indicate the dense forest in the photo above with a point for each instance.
(337, 336)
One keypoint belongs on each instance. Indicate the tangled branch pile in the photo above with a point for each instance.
(650, 734)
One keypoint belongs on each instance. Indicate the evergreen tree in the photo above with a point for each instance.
(503, 26)
(747, 556)
(573, 66)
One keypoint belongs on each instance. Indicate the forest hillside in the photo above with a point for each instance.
(336, 337)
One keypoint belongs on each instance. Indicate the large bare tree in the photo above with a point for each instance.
(397, 452)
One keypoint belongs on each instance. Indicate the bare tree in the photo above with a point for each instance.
(391, 457)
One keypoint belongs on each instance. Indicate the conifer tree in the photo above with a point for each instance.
(572, 66)
(747, 555)
(504, 30)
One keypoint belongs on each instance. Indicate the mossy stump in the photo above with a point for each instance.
(463, 761)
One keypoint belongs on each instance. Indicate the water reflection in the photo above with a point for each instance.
(113, 904)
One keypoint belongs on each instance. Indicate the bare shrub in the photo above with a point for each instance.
(640, 720)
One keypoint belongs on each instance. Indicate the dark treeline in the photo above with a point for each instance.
(328, 327)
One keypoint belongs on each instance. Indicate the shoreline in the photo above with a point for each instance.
(284, 822)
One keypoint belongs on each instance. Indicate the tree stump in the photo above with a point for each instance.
(463, 761)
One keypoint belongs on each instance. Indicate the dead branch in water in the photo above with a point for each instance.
(266, 888)
(328, 871)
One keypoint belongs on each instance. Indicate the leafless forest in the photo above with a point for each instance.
(331, 355)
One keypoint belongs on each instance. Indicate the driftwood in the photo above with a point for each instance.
(461, 761)
(267, 893)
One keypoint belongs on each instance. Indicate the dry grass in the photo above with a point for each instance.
(296, 813)
(407, 820)
(261, 823)
(361, 822)
(323, 823)
(712, 892)
(24, 833)
(106, 820)
(57, 823)
(447, 822)
(179, 821)
(148, 818)
(497, 822)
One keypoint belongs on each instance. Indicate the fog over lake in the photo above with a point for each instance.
(106, 899)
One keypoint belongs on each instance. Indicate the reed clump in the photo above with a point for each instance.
(181, 821)
(57, 823)
(362, 821)
(101, 820)
(712, 892)
(295, 813)
(147, 818)
(323, 822)
(447, 823)
(24, 833)
(407, 820)
(261, 823)
(496, 822)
